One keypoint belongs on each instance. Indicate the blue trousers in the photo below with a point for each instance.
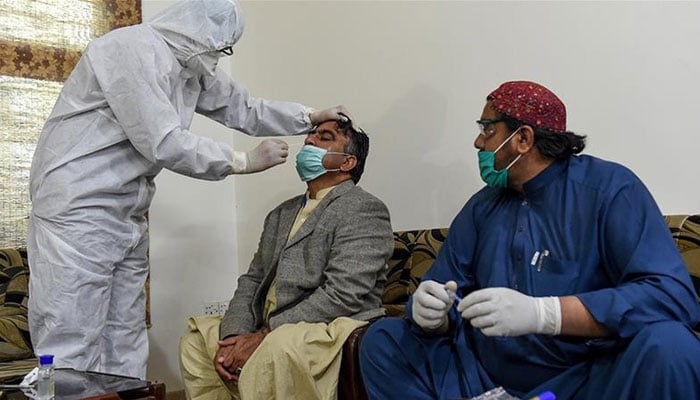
(399, 361)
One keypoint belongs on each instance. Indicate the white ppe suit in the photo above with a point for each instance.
(122, 116)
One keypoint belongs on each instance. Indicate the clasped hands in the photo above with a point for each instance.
(496, 311)
(233, 353)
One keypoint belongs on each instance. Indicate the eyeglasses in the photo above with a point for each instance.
(228, 50)
(486, 126)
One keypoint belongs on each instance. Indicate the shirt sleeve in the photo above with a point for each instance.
(651, 282)
(135, 83)
(229, 103)
(454, 261)
(239, 317)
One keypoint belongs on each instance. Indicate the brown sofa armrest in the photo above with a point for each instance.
(350, 385)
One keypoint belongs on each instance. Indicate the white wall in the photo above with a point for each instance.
(192, 252)
(415, 75)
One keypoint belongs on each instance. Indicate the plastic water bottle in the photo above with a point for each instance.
(45, 384)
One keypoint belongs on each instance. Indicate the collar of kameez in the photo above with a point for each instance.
(549, 174)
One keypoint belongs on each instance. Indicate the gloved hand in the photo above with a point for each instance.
(430, 306)
(333, 113)
(268, 153)
(505, 312)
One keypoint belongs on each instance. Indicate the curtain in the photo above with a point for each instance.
(40, 43)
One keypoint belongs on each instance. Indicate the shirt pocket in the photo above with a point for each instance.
(554, 277)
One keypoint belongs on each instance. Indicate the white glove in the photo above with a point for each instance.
(430, 306)
(30, 378)
(268, 153)
(333, 113)
(506, 312)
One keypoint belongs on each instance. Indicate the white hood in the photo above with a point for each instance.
(193, 27)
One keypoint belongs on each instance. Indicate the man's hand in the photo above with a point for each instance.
(337, 113)
(226, 347)
(234, 352)
(430, 306)
(506, 312)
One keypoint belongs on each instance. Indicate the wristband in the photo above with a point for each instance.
(548, 315)
(240, 162)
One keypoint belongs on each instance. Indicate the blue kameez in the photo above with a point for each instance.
(583, 227)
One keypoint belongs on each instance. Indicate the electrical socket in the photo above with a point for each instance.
(211, 308)
(215, 308)
(223, 307)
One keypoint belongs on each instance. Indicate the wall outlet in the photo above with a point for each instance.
(211, 308)
(223, 306)
(215, 308)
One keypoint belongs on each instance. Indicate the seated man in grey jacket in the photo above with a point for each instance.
(318, 274)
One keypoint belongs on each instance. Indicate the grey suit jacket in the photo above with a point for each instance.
(335, 265)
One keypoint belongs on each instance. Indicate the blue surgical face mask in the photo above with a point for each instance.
(487, 166)
(310, 162)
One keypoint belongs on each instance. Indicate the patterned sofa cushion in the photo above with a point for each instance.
(415, 251)
(16, 352)
(14, 330)
(685, 230)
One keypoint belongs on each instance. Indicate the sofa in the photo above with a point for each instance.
(17, 356)
(414, 253)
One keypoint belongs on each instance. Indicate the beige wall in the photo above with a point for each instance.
(415, 75)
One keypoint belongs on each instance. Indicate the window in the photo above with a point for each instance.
(40, 42)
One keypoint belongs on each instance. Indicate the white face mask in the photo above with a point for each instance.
(204, 64)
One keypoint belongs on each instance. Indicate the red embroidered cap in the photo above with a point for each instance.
(530, 103)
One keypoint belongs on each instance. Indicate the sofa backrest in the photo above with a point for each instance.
(15, 343)
(415, 251)
(14, 281)
(685, 230)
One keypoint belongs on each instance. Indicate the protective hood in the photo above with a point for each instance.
(194, 27)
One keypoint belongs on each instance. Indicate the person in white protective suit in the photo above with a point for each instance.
(124, 115)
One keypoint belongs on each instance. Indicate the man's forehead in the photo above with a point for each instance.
(327, 127)
(489, 112)
(330, 127)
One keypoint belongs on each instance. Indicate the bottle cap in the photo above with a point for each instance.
(546, 396)
(46, 359)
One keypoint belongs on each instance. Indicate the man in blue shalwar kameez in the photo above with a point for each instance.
(567, 279)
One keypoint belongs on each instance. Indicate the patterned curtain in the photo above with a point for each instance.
(40, 43)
